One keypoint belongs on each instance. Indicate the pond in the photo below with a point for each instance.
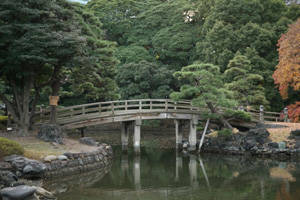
(167, 174)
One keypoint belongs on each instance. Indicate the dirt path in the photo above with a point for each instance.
(281, 134)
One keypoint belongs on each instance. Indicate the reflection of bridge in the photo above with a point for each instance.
(132, 112)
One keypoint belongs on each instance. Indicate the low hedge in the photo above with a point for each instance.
(9, 147)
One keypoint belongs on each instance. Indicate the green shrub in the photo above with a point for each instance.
(9, 147)
(152, 122)
(237, 114)
(3, 120)
(224, 132)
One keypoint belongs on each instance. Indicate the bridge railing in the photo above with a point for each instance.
(111, 108)
(123, 107)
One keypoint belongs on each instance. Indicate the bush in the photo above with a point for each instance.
(9, 147)
(237, 114)
(224, 132)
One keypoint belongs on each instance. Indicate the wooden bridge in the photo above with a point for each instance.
(132, 112)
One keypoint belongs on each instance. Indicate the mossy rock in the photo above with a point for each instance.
(9, 147)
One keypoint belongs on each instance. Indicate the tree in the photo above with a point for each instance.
(144, 80)
(247, 87)
(205, 88)
(93, 76)
(287, 71)
(37, 38)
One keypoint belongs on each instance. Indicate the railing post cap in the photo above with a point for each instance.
(285, 110)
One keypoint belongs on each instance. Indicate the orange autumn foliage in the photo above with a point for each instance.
(294, 112)
(287, 73)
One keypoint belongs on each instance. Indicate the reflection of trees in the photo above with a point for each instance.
(229, 178)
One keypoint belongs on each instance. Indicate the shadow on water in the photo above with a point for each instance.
(167, 174)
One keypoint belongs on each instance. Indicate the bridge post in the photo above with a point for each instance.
(193, 134)
(125, 135)
(178, 131)
(137, 136)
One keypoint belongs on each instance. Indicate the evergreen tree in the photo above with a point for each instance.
(144, 80)
(37, 38)
(205, 88)
(247, 87)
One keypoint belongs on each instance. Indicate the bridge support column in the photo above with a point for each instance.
(178, 130)
(125, 135)
(193, 134)
(137, 136)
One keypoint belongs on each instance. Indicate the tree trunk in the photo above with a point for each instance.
(53, 108)
(25, 107)
(222, 120)
(33, 109)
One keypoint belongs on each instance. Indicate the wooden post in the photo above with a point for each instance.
(125, 135)
(151, 105)
(112, 108)
(140, 105)
(83, 111)
(82, 132)
(203, 135)
(72, 112)
(137, 136)
(126, 104)
(99, 108)
(178, 132)
(166, 106)
(285, 115)
(193, 134)
(261, 114)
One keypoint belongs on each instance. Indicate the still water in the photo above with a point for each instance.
(165, 174)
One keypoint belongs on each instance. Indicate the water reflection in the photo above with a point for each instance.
(167, 174)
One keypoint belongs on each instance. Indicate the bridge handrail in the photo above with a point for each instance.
(147, 105)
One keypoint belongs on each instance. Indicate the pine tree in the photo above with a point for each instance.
(205, 88)
(246, 86)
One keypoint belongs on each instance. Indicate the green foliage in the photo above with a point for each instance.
(237, 114)
(144, 80)
(247, 87)
(9, 147)
(204, 85)
(93, 79)
(152, 123)
(224, 132)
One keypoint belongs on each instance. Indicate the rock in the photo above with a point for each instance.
(49, 159)
(297, 145)
(18, 193)
(88, 141)
(5, 166)
(62, 157)
(249, 144)
(8, 179)
(261, 135)
(51, 133)
(69, 155)
(43, 193)
(273, 145)
(295, 134)
(25, 167)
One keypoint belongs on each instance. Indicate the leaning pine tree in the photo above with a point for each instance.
(204, 86)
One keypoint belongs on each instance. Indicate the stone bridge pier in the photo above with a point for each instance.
(179, 123)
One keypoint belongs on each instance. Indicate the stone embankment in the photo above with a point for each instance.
(255, 143)
(16, 169)
(76, 163)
